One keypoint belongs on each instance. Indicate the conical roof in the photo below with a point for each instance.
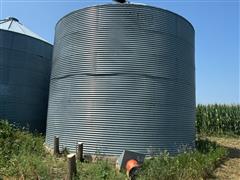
(13, 24)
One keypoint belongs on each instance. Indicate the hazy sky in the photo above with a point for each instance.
(216, 25)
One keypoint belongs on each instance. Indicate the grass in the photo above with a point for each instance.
(187, 165)
(22, 154)
(102, 169)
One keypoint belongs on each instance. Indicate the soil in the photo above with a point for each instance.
(229, 169)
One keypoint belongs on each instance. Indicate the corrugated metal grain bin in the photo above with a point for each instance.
(123, 77)
(25, 65)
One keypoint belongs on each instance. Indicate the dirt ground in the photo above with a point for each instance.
(230, 168)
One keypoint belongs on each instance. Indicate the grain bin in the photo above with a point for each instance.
(25, 65)
(123, 77)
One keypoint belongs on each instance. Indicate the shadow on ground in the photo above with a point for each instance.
(228, 163)
(233, 152)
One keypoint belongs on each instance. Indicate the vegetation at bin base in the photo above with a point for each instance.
(218, 119)
(101, 169)
(22, 154)
(187, 165)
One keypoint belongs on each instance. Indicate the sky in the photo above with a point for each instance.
(217, 33)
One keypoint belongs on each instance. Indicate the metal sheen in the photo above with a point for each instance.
(123, 77)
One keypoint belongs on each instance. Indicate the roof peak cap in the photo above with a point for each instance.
(13, 19)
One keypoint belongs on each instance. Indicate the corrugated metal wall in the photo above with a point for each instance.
(123, 77)
(25, 66)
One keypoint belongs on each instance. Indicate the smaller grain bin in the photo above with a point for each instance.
(25, 65)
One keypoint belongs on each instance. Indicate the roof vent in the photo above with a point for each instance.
(121, 1)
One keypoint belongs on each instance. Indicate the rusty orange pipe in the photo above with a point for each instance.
(130, 165)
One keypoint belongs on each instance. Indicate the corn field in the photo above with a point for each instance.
(218, 119)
